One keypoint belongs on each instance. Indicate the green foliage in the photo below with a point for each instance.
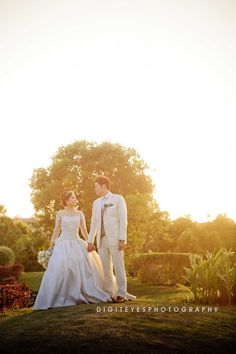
(146, 223)
(25, 240)
(75, 166)
(159, 268)
(211, 277)
(190, 236)
(7, 256)
(187, 242)
(221, 232)
(179, 225)
(3, 210)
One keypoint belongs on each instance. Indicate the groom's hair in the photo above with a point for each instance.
(104, 180)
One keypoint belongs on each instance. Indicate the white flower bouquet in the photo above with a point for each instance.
(43, 258)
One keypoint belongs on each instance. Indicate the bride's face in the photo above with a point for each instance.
(72, 201)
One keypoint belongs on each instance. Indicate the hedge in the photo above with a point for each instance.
(159, 268)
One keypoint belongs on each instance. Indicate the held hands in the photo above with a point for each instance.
(91, 247)
(121, 245)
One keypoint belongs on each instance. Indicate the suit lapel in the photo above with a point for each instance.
(99, 211)
(99, 215)
(110, 198)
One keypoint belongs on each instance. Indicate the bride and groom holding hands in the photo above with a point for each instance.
(76, 273)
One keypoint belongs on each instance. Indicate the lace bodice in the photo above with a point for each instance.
(70, 226)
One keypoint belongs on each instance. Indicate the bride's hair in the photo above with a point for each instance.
(66, 196)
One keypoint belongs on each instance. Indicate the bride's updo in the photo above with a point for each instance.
(66, 196)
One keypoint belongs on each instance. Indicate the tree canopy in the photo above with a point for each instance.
(75, 166)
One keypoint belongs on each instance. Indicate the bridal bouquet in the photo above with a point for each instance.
(43, 258)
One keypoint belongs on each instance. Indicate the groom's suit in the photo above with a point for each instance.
(109, 224)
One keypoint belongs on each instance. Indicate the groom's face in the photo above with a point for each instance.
(99, 190)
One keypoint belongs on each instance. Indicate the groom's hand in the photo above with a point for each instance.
(121, 245)
(90, 247)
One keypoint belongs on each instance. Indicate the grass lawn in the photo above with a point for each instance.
(96, 328)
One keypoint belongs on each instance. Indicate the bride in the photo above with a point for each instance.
(73, 275)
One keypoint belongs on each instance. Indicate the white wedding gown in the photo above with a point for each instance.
(73, 275)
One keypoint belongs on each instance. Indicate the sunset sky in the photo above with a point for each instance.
(158, 76)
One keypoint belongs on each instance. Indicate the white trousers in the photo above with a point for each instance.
(112, 257)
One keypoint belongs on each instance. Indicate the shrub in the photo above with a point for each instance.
(15, 295)
(212, 277)
(7, 256)
(159, 268)
(10, 272)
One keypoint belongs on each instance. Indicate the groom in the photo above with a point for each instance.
(109, 223)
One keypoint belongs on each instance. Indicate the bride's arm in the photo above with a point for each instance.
(56, 231)
(83, 226)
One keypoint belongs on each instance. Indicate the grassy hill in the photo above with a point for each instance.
(111, 328)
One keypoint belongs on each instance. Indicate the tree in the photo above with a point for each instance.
(158, 237)
(3, 210)
(75, 166)
(140, 211)
(187, 242)
(24, 240)
(221, 232)
(10, 231)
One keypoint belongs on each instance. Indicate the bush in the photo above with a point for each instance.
(159, 268)
(212, 277)
(9, 274)
(15, 295)
(7, 256)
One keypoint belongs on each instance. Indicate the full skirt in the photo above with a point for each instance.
(73, 276)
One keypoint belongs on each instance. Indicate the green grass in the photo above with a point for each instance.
(81, 329)
(33, 279)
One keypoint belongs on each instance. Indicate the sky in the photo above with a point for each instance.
(155, 75)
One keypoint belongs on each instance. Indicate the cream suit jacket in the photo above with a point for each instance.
(114, 219)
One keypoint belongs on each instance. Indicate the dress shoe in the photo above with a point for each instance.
(120, 299)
